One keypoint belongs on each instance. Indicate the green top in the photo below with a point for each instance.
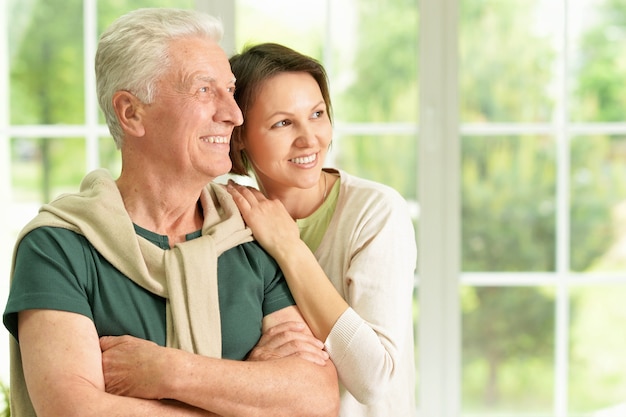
(313, 228)
(58, 269)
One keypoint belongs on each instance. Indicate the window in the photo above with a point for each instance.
(500, 121)
(542, 196)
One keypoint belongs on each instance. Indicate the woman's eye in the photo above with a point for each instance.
(318, 114)
(282, 123)
(204, 89)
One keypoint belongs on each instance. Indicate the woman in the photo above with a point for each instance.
(350, 260)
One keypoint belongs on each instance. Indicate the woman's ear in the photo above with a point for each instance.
(129, 111)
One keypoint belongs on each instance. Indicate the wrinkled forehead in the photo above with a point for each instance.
(197, 59)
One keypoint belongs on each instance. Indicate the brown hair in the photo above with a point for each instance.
(252, 67)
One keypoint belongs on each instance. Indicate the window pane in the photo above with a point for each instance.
(110, 157)
(46, 62)
(281, 21)
(390, 159)
(508, 203)
(598, 191)
(376, 76)
(108, 10)
(597, 361)
(44, 168)
(507, 60)
(508, 351)
(598, 40)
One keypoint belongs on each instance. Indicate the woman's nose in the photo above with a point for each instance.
(306, 136)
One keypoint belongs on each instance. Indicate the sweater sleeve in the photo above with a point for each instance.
(368, 341)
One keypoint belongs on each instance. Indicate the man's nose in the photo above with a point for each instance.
(228, 110)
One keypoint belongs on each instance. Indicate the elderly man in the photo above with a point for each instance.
(144, 256)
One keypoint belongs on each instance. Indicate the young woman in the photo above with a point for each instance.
(349, 257)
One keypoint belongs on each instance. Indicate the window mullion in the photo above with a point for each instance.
(439, 197)
(225, 11)
(562, 312)
(90, 37)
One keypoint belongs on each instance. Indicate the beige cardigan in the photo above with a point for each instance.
(186, 275)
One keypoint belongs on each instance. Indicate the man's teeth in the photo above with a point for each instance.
(214, 139)
(304, 159)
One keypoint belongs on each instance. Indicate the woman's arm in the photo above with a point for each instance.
(366, 341)
(378, 282)
(316, 297)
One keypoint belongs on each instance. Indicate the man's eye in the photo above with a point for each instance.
(231, 90)
(204, 89)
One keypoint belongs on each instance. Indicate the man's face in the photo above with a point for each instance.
(191, 119)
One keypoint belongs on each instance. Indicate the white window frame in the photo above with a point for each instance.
(439, 225)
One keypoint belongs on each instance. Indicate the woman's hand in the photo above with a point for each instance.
(287, 339)
(318, 300)
(271, 224)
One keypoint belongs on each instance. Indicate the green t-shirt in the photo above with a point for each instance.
(58, 269)
(313, 228)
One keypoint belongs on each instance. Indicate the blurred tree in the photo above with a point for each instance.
(384, 89)
(508, 212)
(508, 224)
(598, 173)
(524, 317)
(506, 67)
(47, 81)
(5, 406)
(598, 195)
(508, 199)
(598, 161)
(598, 87)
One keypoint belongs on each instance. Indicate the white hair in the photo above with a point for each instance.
(133, 53)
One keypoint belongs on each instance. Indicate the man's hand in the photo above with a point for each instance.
(131, 366)
(286, 339)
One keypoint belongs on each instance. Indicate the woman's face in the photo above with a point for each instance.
(288, 132)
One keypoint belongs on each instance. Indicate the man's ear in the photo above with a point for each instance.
(129, 110)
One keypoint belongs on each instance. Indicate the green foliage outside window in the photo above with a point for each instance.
(5, 407)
